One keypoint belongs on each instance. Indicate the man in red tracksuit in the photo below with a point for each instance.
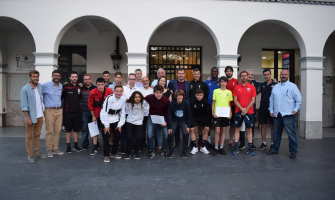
(95, 101)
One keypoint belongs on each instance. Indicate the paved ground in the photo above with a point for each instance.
(81, 176)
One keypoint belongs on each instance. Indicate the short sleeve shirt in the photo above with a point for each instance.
(222, 98)
(244, 95)
(231, 85)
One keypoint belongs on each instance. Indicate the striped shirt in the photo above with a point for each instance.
(52, 94)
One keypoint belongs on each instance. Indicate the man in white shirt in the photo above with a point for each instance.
(112, 116)
(145, 90)
(160, 73)
(127, 92)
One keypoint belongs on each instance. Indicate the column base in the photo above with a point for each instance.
(310, 129)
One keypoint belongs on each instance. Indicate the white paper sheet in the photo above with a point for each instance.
(156, 119)
(93, 128)
(222, 111)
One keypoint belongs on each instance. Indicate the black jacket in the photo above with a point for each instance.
(85, 92)
(179, 113)
(201, 110)
(197, 85)
(71, 96)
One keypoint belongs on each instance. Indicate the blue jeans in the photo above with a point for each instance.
(290, 123)
(144, 130)
(158, 135)
(150, 129)
(182, 126)
(87, 118)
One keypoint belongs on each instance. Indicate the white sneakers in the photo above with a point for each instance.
(204, 150)
(194, 150)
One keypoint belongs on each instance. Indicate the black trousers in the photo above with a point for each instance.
(138, 131)
(117, 136)
(144, 132)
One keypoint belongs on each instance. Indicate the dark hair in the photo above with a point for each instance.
(118, 86)
(73, 72)
(105, 72)
(100, 80)
(165, 86)
(87, 75)
(132, 99)
(131, 74)
(158, 88)
(199, 91)
(56, 72)
(180, 69)
(179, 92)
(243, 72)
(225, 79)
(118, 73)
(33, 72)
(196, 70)
(228, 67)
(214, 68)
(266, 70)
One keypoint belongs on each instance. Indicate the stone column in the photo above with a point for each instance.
(45, 63)
(224, 60)
(3, 92)
(311, 91)
(137, 61)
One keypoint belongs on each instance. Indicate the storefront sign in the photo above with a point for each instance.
(25, 62)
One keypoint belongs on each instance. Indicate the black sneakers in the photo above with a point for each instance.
(151, 154)
(222, 151)
(123, 151)
(68, 150)
(215, 151)
(94, 151)
(164, 154)
(127, 157)
(136, 156)
(170, 155)
(77, 148)
(293, 156)
(271, 152)
(242, 146)
(253, 147)
(262, 147)
(183, 154)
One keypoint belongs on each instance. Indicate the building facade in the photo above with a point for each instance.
(81, 36)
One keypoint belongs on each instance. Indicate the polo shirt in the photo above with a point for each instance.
(230, 86)
(222, 98)
(265, 90)
(211, 87)
(244, 95)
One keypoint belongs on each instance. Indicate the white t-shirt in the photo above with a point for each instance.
(136, 114)
(39, 111)
(146, 92)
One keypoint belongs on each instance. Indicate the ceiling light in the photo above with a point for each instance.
(279, 51)
(263, 57)
(153, 55)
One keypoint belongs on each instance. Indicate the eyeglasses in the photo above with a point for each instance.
(145, 81)
(87, 79)
(131, 79)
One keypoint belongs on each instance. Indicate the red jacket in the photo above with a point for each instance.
(95, 97)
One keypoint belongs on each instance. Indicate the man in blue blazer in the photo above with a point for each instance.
(180, 83)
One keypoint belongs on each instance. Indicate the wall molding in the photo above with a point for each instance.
(46, 54)
(136, 55)
(227, 56)
(311, 59)
(312, 2)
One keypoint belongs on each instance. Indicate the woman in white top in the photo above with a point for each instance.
(135, 104)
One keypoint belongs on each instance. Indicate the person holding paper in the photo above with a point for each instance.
(221, 111)
(159, 105)
(200, 114)
(136, 105)
(96, 99)
(112, 116)
(179, 116)
(244, 98)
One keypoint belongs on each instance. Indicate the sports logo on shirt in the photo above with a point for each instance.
(233, 83)
(179, 113)
(218, 84)
(195, 106)
(191, 86)
(199, 86)
(202, 105)
(227, 94)
(248, 89)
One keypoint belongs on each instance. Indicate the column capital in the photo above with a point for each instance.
(136, 55)
(227, 56)
(137, 60)
(46, 59)
(312, 60)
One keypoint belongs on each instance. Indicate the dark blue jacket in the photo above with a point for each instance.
(173, 85)
(179, 113)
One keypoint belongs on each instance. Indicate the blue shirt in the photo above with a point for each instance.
(154, 83)
(211, 87)
(28, 101)
(138, 85)
(285, 98)
(52, 95)
(112, 86)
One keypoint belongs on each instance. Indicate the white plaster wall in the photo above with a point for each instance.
(99, 48)
(179, 33)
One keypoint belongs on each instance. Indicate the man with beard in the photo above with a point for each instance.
(285, 101)
(52, 99)
(106, 75)
(72, 114)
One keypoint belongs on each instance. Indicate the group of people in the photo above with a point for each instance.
(128, 114)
